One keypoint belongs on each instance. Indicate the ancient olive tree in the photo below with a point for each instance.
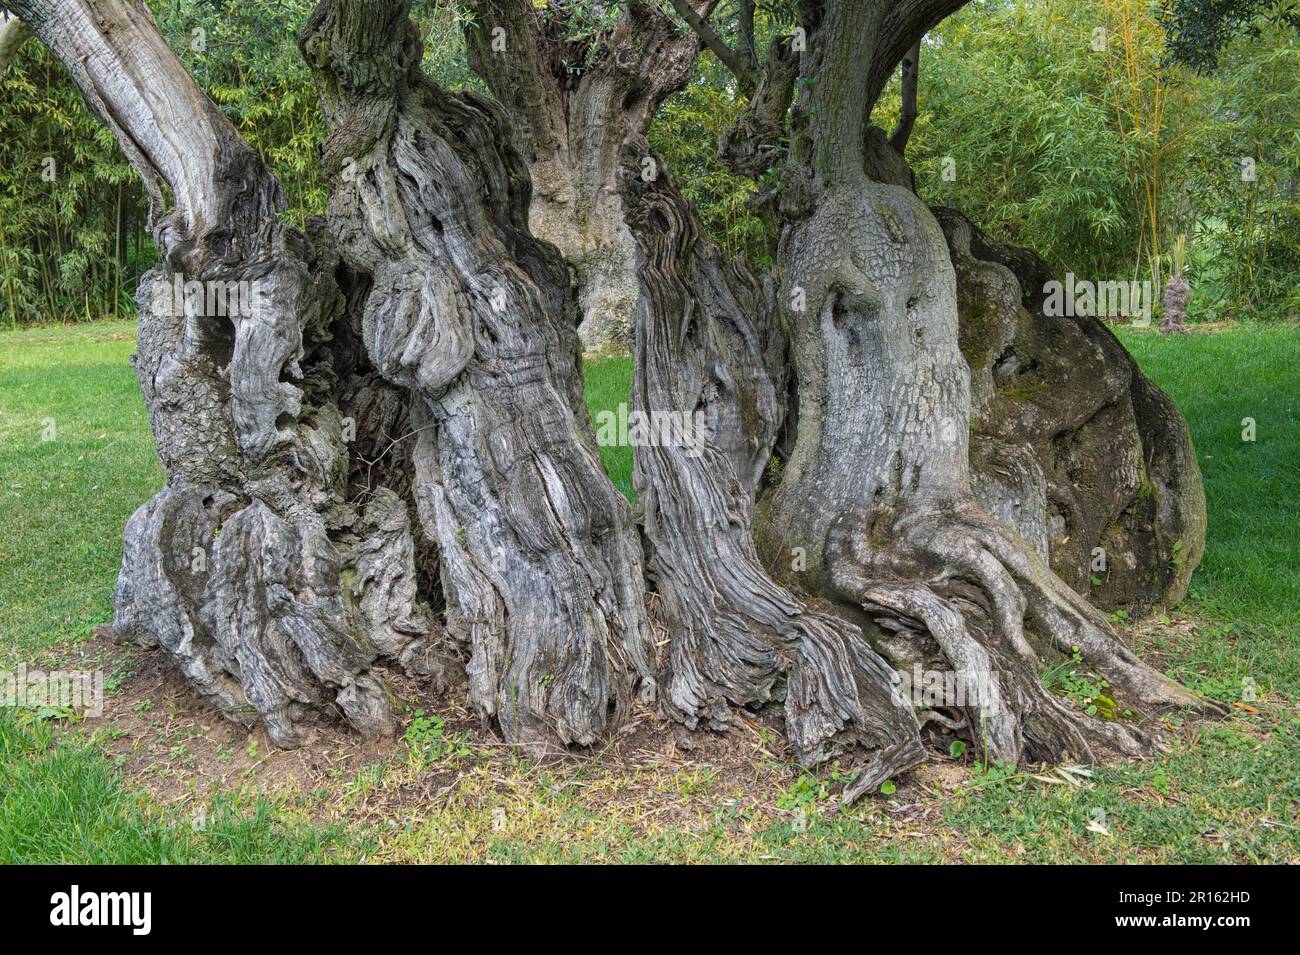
(391, 420)
(876, 499)
(379, 454)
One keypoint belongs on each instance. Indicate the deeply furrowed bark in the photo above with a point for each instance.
(471, 316)
(707, 351)
(423, 396)
(573, 104)
(1071, 446)
(252, 567)
(877, 491)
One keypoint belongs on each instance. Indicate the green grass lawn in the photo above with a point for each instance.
(609, 384)
(1251, 570)
(76, 459)
(60, 801)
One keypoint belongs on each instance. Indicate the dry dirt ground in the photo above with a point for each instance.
(655, 777)
(161, 735)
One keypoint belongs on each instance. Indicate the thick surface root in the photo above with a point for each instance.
(994, 611)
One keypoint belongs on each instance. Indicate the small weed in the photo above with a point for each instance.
(804, 793)
(1083, 688)
(427, 741)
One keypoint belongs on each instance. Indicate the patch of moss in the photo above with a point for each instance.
(1024, 391)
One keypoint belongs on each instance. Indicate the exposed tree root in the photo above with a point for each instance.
(1071, 446)
(988, 601)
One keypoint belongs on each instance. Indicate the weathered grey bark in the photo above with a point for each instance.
(572, 107)
(754, 143)
(287, 554)
(870, 292)
(255, 567)
(1072, 447)
(472, 317)
(707, 346)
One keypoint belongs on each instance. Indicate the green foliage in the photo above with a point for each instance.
(1082, 687)
(427, 740)
(74, 243)
(804, 793)
(686, 131)
(1200, 29)
(1014, 108)
(1101, 160)
(1245, 254)
(71, 210)
(244, 57)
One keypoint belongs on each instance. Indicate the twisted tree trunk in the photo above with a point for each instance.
(322, 428)
(471, 317)
(573, 102)
(254, 567)
(707, 347)
(877, 491)
(400, 394)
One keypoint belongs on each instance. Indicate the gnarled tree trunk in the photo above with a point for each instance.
(337, 424)
(470, 316)
(877, 490)
(250, 566)
(573, 103)
(1072, 446)
(707, 351)
(400, 394)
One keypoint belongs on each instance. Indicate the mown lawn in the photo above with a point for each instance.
(76, 459)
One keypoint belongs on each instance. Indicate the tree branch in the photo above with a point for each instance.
(508, 47)
(753, 144)
(166, 125)
(747, 30)
(904, 25)
(831, 113)
(907, 115)
(744, 72)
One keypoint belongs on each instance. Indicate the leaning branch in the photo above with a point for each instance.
(745, 73)
(907, 115)
(170, 131)
(903, 26)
